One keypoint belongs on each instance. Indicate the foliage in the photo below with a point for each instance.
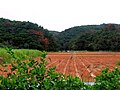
(27, 35)
(118, 63)
(33, 75)
(108, 80)
(100, 40)
(22, 54)
(105, 37)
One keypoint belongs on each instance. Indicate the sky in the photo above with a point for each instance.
(58, 15)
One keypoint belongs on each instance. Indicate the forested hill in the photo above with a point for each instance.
(29, 35)
(18, 34)
(66, 36)
(90, 37)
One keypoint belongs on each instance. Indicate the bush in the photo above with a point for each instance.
(33, 75)
(108, 80)
(118, 63)
(22, 54)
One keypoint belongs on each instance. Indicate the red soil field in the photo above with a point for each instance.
(85, 65)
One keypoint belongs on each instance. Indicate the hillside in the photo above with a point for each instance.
(28, 35)
(67, 38)
(18, 34)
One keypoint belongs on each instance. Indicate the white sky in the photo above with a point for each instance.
(61, 14)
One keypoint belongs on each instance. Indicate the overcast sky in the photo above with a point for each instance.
(61, 14)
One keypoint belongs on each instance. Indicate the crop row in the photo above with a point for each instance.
(85, 66)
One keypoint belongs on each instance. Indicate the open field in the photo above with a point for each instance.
(85, 65)
(22, 54)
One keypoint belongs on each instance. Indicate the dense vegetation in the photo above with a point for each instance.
(26, 35)
(17, 34)
(90, 37)
(22, 54)
(100, 40)
(33, 75)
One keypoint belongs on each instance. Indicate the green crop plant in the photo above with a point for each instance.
(108, 80)
(33, 75)
(22, 54)
(118, 63)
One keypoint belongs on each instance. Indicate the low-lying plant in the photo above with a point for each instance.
(108, 80)
(118, 63)
(22, 54)
(33, 75)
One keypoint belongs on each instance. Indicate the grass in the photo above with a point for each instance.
(23, 54)
(118, 63)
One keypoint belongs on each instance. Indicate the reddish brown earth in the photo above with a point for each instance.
(85, 65)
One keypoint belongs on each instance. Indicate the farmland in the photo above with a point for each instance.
(85, 65)
(25, 64)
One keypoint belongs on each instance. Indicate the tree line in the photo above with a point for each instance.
(17, 34)
(28, 35)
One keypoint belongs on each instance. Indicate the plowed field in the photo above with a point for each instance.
(85, 65)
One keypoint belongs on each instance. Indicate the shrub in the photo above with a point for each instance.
(33, 75)
(22, 54)
(118, 63)
(108, 80)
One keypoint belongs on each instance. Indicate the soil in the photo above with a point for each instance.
(85, 65)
